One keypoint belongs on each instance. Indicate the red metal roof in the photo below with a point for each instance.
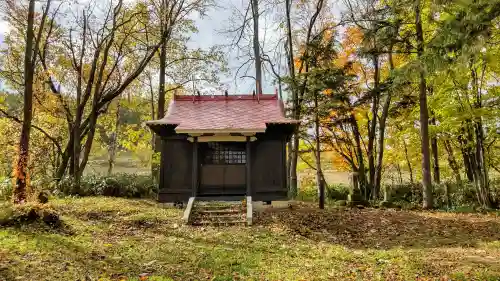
(233, 113)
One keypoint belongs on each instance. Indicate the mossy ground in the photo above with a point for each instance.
(120, 239)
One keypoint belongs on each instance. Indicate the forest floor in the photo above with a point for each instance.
(120, 239)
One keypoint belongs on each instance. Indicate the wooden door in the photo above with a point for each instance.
(223, 169)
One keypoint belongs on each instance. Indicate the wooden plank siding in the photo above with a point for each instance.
(267, 174)
(176, 180)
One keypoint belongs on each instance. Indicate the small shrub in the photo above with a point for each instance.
(410, 195)
(337, 192)
(409, 192)
(333, 192)
(307, 193)
(119, 185)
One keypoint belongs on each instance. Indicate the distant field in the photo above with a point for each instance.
(124, 164)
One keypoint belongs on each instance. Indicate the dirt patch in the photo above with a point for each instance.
(98, 216)
(382, 229)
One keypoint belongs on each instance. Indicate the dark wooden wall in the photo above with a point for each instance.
(268, 168)
(176, 169)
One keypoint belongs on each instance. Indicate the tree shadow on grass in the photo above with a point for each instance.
(385, 229)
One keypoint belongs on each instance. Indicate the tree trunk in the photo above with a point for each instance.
(373, 188)
(75, 156)
(466, 158)
(160, 112)
(88, 144)
(435, 156)
(153, 116)
(20, 192)
(65, 160)
(400, 175)
(319, 173)
(481, 172)
(294, 145)
(256, 47)
(79, 110)
(408, 163)
(453, 162)
(424, 115)
(94, 115)
(447, 195)
(473, 160)
(361, 178)
(381, 134)
(114, 140)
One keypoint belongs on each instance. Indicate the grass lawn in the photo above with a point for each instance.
(119, 239)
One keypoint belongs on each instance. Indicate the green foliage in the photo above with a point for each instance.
(333, 192)
(118, 185)
(337, 192)
(410, 195)
(5, 189)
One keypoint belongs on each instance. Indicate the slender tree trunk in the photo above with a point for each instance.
(381, 134)
(481, 172)
(453, 162)
(361, 178)
(447, 195)
(65, 160)
(256, 47)
(114, 140)
(160, 112)
(319, 173)
(88, 144)
(466, 157)
(373, 188)
(79, 110)
(153, 116)
(472, 160)
(20, 191)
(75, 157)
(400, 175)
(424, 115)
(468, 166)
(408, 163)
(482, 167)
(294, 144)
(435, 156)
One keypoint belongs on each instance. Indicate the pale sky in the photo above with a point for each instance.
(4, 28)
(209, 34)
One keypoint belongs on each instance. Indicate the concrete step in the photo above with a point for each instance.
(220, 217)
(219, 211)
(219, 207)
(218, 223)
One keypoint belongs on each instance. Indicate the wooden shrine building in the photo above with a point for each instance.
(223, 146)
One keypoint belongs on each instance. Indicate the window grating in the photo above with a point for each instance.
(225, 153)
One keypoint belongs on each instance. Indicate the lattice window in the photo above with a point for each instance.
(225, 153)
